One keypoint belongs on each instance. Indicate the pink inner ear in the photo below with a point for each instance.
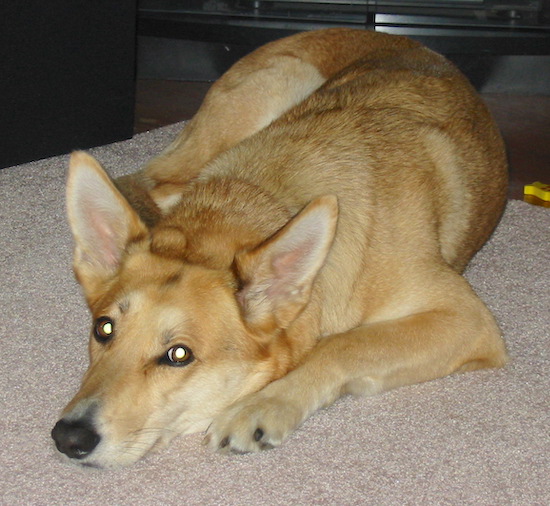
(281, 272)
(106, 243)
(99, 234)
(292, 269)
(291, 264)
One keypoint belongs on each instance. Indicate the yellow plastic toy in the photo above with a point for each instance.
(537, 193)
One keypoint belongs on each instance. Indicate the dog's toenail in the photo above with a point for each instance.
(224, 442)
(258, 434)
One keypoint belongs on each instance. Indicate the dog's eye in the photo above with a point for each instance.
(104, 329)
(178, 355)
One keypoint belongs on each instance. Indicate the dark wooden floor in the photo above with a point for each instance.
(523, 120)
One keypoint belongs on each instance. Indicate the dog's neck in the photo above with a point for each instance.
(217, 218)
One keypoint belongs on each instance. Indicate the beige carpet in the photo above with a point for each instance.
(481, 438)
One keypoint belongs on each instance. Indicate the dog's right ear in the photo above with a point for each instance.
(277, 276)
(102, 222)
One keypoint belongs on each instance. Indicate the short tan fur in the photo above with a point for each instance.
(303, 238)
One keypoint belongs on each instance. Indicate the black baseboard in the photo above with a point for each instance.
(191, 60)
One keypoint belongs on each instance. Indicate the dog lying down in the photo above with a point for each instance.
(302, 239)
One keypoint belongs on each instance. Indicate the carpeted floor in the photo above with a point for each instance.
(480, 439)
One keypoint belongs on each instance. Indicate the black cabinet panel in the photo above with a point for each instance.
(67, 76)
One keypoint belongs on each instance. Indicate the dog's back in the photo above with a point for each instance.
(400, 132)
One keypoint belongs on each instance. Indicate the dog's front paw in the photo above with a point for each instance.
(255, 423)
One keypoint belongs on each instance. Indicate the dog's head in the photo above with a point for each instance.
(172, 342)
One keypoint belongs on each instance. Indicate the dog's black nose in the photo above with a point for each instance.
(75, 439)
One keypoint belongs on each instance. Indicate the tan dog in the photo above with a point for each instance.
(302, 239)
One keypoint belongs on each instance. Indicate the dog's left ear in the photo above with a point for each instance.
(102, 222)
(278, 276)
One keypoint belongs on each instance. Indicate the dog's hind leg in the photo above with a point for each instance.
(255, 91)
(242, 102)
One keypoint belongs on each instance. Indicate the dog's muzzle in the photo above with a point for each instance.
(76, 439)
